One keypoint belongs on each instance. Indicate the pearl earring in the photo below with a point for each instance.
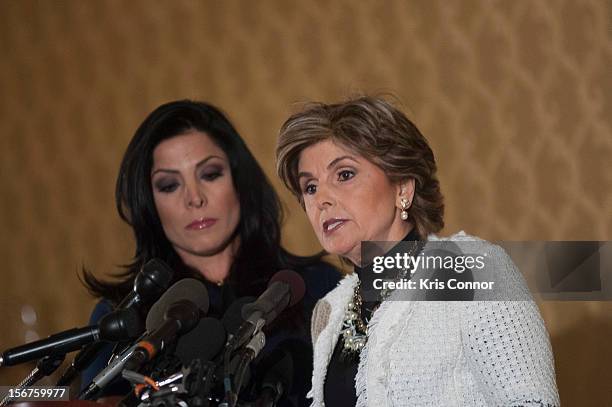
(404, 204)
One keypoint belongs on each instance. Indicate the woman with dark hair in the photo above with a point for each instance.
(362, 171)
(197, 199)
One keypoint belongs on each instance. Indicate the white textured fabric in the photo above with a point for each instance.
(444, 353)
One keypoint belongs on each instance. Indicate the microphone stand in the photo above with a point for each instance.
(80, 362)
(44, 367)
(250, 352)
(106, 375)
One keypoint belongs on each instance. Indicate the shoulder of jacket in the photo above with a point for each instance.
(342, 291)
(333, 300)
(459, 237)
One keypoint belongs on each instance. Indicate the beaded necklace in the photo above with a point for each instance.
(354, 328)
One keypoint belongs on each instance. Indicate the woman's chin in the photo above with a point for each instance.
(348, 251)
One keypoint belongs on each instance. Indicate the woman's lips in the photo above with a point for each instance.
(331, 225)
(199, 224)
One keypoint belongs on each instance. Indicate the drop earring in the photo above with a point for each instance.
(404, 203)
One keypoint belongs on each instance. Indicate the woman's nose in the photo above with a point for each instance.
(325, 197)
(195, 197)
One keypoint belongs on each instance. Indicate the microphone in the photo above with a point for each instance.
(286, 288)
(252, 349)
(150, 283)
(116, 326)
(232, 319)
(107, 374)
(80, 362)
(244, 358)
(187, 299)
(203, 342)
(184, 290)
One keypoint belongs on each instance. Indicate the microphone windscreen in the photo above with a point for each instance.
(203, 342)
(120, 325)
(232, 319)
(188, 289)
(157, 276)
(295, 282)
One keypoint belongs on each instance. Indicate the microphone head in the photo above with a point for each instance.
(120, 325)
(153, 280)
(203, 342)
(295, 282)
(286, 288)
(188, 289)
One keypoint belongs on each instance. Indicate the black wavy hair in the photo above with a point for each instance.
(260, 253)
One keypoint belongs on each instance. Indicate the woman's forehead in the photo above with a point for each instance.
(184, 149)
(325, 153)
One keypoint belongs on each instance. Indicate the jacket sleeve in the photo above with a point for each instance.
(508, 347)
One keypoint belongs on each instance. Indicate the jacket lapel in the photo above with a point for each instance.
(328, 338)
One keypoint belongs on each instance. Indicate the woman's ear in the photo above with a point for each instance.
(405, 193)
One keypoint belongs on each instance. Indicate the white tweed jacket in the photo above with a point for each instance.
(444, 353)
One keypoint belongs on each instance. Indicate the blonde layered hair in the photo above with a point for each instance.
(374, 129)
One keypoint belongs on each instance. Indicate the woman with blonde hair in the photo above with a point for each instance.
(362, 171)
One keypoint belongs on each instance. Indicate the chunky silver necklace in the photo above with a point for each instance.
(354, 329)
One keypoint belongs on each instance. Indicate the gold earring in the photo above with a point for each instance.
(404, 204)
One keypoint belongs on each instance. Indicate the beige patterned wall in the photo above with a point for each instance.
(514, 96)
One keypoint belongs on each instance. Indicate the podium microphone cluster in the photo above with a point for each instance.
(286, 288)
(175, 313)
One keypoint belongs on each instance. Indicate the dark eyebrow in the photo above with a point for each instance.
(199, 164)
(330, 165)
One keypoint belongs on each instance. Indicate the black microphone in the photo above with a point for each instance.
(182, 306)
(239, 366)
(116, 326)
(250, 352)
(203, 342)
(286, 288)
(187, 289)
(150, 283)
(232, 319)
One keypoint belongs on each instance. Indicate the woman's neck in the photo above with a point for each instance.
(397, 232)
(214, 268)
